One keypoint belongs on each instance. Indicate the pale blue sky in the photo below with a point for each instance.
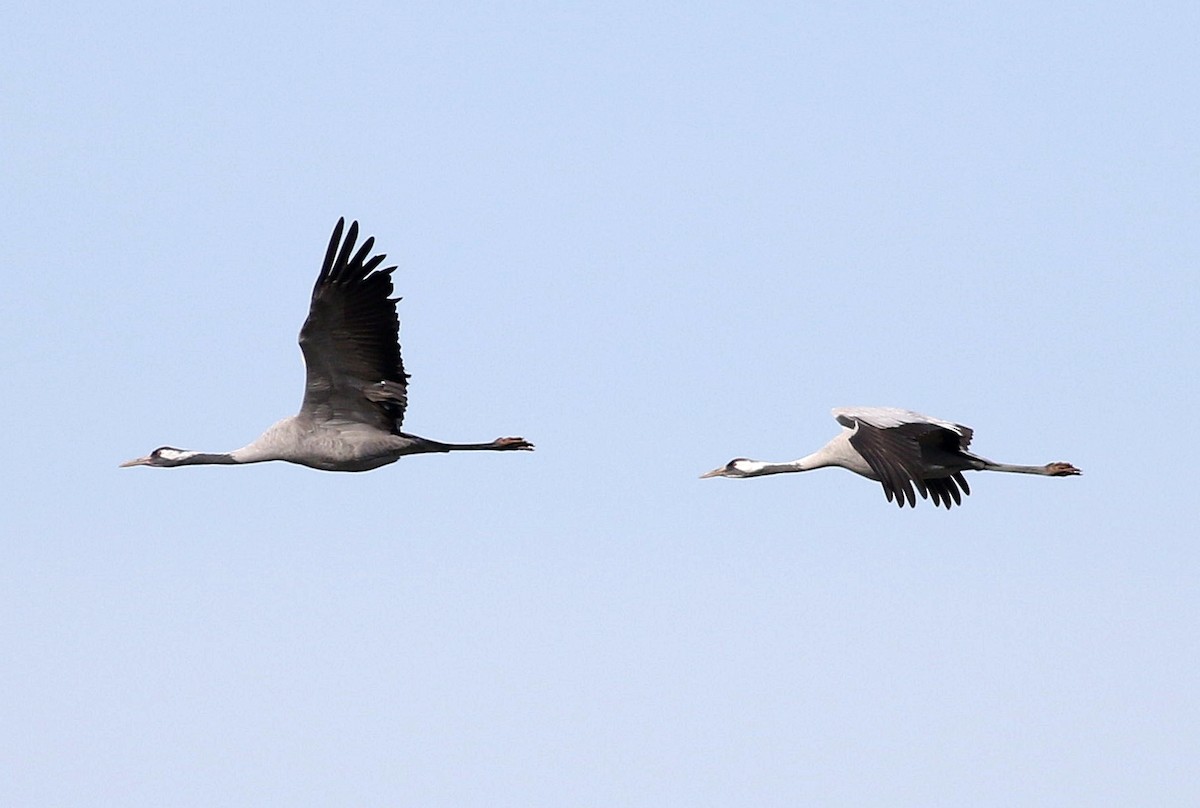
(649, 239)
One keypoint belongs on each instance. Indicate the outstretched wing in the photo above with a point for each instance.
(350, 339)
(888, 417)
(893, 442)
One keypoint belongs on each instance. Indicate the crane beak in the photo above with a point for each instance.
(137, 461)
(718, 472)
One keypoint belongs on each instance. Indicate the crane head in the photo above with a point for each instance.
(738, 467)
(162, 456)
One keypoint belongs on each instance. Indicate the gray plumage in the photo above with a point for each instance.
(905, 452)
(356, 389)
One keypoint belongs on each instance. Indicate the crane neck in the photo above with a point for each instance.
(761, 468)
(207, 459)
(832, 454)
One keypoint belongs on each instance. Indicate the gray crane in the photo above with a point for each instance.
(899, 449)
(355, 391)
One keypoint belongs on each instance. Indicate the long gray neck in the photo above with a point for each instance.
(206, 459)
(837, 452)
(763, 467)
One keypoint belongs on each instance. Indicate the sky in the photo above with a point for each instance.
(648, 238)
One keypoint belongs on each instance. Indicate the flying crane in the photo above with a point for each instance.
(899, 449)
(355, 390)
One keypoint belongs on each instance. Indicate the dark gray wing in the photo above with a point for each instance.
(945, 490)
(351, 339)
(889, 417)
(903, 448)
(894, 454)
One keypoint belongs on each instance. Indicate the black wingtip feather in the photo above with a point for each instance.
(343, 255)
(362, 253)
(331, 250)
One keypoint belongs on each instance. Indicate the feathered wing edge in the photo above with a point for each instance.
(350, 339)
(894, 453)
(943, 489)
